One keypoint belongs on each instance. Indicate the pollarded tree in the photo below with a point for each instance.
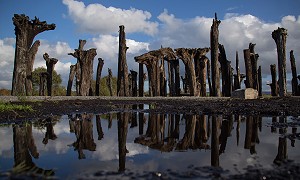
(25, 52)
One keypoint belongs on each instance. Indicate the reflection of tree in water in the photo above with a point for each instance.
(82, 125)
(123, 119)
(24, 150)
(49, 131)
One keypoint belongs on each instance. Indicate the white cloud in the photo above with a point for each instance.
(98, 19)
(7, 52)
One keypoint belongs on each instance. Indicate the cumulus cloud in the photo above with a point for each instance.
(98, 19)
(7, 52)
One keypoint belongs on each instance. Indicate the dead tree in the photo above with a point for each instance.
(98, 76)
(43, 80)
(248, 67)
(109, 82)
(134, 83)
(151, 60)
(238, 77)
(259, 76)
(31, 57)
(85, 60)
(214, 42)
(279, 37)
(70, 81)
(50, 63)
(200, 62)
(274, 85)
(25, 31)
(226, 72)
(141, 80)
(295, 89)
(122, 82)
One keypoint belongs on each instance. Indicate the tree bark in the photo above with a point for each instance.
(295, 89)
(50, 63)
(279, 36)
(70, 81)
(31, 57)
(122, 82)
(98, 76)
(248, 67)
(274, 85)
(214, 42)
(259, 82)
(226, 72)
(141, 80)
(25, 31)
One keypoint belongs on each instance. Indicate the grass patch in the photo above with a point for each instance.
(4, 107)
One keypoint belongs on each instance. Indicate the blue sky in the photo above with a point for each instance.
(149, 25)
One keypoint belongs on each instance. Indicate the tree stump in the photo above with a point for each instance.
(50, 63)
(109, 82)
(248, 67)
(43, 80)
(84, 72)
(25, 31)
(98, 76)
(70, 81)
(214, 43)
(141, 80)
(279, 37)
(134, 83)
(274, 84)
(122, 81)
(226, 72)
(295, 90)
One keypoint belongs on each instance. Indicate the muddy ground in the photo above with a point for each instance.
(288, 106)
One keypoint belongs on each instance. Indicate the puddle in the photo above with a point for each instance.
(147, 145)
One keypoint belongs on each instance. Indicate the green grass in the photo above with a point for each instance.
(4, 107)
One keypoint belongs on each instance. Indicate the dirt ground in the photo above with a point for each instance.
(288, 106)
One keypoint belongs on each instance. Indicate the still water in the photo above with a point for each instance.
(136, 144)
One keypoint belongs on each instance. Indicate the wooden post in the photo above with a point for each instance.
(259, 82)
(279, 36)
(295, 90)
(141, 80)
(122, 81)
(50, 63)
(70, 81)
(248, 67)
(109, 82)
(25, 31)
(98, 76)
(214, 42)
(274, 86)
(85, 60)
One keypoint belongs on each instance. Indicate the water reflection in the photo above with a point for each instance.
(180, 139)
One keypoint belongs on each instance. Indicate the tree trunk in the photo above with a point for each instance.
(43, 80)
(274, 85)
(134, 83)
(109, 82)
(279, 36)
(70, 81)
(50, 63)
(214, 42)
(295, 90)
(248, 67)
(226, 72)
(25, 31)
(141, 80)
(85, 60)
(31, 57)
(98, 76)
(122, 82)
(259, 82)
(254, 58)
